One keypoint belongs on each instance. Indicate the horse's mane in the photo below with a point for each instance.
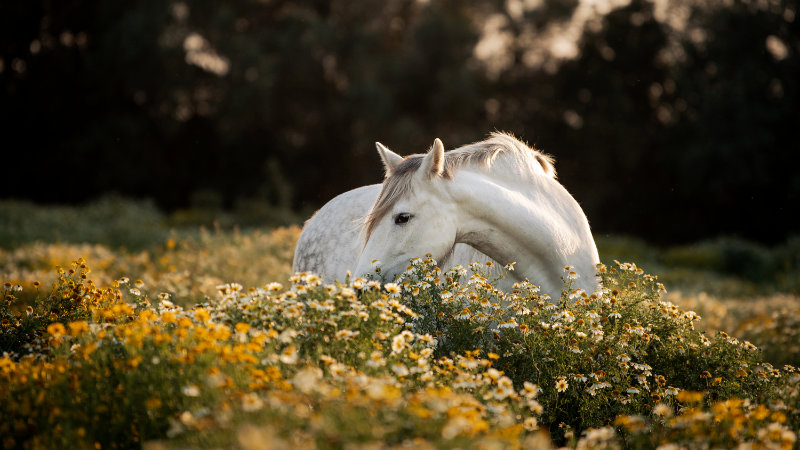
(480, 154)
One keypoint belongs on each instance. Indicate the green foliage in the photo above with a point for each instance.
(246, 212)
(620, 352)
(110, 220)
(25, 324)
(436, 358)
(725, 266)
(729, 256)
(135, 225)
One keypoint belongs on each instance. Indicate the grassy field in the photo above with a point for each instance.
(122, 327)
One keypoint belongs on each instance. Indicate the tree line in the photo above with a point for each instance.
(672, 121)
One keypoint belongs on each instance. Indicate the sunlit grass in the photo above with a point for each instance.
(189, 266)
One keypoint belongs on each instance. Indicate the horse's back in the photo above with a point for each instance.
(329, 244)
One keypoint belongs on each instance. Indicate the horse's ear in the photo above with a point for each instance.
(390, 159)
(433, 163)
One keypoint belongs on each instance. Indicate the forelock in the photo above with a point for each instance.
(395, 186)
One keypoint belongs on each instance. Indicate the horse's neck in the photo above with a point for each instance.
(533, 222)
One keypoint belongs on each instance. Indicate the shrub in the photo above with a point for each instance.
(438, 358)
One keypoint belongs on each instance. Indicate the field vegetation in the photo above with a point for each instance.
(122, 327)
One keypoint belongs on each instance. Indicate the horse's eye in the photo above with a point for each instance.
(402, 218)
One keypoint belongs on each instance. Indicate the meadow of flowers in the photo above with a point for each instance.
(206, 340)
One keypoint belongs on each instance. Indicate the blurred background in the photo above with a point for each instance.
(673, 121)
(180, 142)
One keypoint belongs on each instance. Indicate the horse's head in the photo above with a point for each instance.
(413, 214)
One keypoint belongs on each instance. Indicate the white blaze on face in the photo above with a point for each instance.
(413, 229)
(420, 223)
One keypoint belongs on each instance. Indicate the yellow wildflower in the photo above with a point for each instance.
(78, 327)
(56, 329)
(202, 315)
(690, 396)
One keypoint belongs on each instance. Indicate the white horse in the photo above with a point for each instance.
(331, 241)
(329, 244)
(499, 196)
